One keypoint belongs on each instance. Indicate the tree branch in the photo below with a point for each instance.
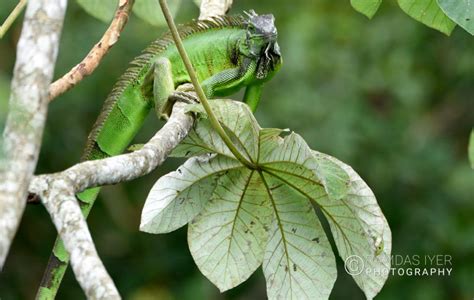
(128, 166)
(57, 194)
(36, 56)
(97, 53)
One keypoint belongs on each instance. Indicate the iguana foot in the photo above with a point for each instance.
(186, 97)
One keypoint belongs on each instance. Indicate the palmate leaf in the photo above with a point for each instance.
(460, 11)
(366, 7)
(242, 218)
(429, 13)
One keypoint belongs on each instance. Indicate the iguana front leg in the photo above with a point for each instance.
(226, 80)
(252, 96)
(233, 79)
(163, 86)
(164, 92)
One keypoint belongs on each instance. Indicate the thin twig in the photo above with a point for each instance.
(36, 56)
(97, 53)
(200, 92)
(12, 17)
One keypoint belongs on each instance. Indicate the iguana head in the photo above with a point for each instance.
(261, 44)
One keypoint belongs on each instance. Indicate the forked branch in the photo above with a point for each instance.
(57, 192)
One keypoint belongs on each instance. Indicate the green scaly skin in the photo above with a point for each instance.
(228, 53)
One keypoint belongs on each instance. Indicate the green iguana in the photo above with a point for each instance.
(228, 53)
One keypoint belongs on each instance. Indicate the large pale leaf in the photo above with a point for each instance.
(233, 209)
(179, 196)
(366, 7)
(227, 239)
(429, 13)
(150, 11)
(101, 9)
(461, 12)
(471, 149)
(298, 263)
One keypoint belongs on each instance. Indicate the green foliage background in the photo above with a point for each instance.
(389, 96)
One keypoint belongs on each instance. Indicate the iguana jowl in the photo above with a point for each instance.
(228, 53)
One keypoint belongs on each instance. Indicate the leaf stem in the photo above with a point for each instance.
(12, 17)
(200, 92)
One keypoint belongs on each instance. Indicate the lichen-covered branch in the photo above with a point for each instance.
(57, 193)
(36, 56)
(97, 53)
(211, 8)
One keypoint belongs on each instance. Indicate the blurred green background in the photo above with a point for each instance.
(390, 97)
